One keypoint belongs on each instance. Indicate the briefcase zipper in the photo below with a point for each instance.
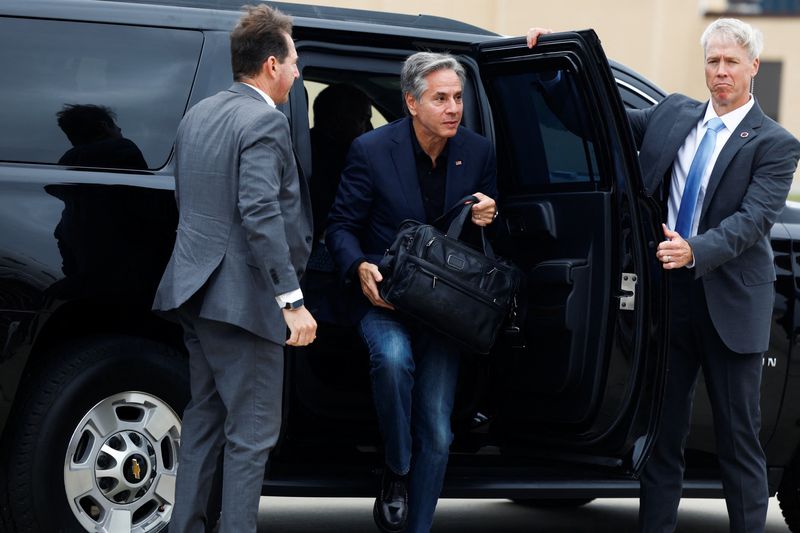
(457, 286)
(429, 269)
(488, 277)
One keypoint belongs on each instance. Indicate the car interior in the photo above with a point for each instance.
(556, 374)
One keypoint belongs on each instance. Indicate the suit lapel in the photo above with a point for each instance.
(684, 122)
(405, 167)
(744, 133)
(456, 161)
(673, 140)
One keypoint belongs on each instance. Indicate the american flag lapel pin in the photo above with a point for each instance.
(458, 162)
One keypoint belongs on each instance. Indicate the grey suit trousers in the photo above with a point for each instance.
(236, 384)
(733, 381)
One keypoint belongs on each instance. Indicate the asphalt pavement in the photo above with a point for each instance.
(354, 515)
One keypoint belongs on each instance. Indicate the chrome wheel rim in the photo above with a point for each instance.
(120, 465)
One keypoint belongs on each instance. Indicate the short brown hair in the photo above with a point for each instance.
(257, 36)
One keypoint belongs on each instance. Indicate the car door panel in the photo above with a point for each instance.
(587, 380)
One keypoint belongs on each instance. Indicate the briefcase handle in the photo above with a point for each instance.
(457, 225)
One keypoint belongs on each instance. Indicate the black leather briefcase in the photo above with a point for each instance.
(459, 291)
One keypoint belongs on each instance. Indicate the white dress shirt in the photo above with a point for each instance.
(264, 95)
(680, 168)
(297, 294)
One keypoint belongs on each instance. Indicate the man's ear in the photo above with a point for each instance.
(411, 104)
(270, 67)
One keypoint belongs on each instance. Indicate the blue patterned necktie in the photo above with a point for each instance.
(683, 224)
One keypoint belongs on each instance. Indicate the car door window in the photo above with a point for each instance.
(553, 145)
(93, 95)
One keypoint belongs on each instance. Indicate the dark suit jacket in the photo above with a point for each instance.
(746, 192)
(244, 230)
(380, 189)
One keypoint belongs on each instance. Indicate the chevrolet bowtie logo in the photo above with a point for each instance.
(137, 470)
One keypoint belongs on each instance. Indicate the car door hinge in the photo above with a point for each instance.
(627, 297)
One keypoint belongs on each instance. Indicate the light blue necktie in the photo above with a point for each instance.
(683, 224)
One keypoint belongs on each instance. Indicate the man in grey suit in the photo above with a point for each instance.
(244, 235)
(723, 170)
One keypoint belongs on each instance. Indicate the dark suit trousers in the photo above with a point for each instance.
(235, 411)
(733, 382)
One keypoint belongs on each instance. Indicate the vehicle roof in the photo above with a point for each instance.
(333, 13)
(311, 20)
(223, 14)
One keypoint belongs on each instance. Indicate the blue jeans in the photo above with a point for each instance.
(414, 373)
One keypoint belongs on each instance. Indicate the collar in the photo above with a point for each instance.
(264, 95)
(419, 153)
(732, 118)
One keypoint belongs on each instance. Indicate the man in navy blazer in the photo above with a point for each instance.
(723, 170)
(414, 168)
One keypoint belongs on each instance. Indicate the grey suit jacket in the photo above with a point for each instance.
(746, 192)
(244, 231)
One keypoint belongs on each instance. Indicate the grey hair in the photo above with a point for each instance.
(740, 32)
(418, 66)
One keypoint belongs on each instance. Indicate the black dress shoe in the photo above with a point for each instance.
(391, 505)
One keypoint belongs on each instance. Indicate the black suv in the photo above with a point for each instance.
(90, 379)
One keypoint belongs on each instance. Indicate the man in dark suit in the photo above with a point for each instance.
(723, 170)
(415, 167)
(244, 235)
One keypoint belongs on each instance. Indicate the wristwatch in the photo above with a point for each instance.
(294, 305)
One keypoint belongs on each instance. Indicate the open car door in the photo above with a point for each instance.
(586, 386)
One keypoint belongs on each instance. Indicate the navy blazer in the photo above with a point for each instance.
(380, 189)
(745, 195)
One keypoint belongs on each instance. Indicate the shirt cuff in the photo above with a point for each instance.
(288, 297)
(694, 259)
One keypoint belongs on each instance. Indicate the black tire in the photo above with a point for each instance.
(78, 377)
(789, 497)
(553, 503)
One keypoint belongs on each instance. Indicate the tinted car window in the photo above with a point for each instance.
(125, 88)
(552, 143)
